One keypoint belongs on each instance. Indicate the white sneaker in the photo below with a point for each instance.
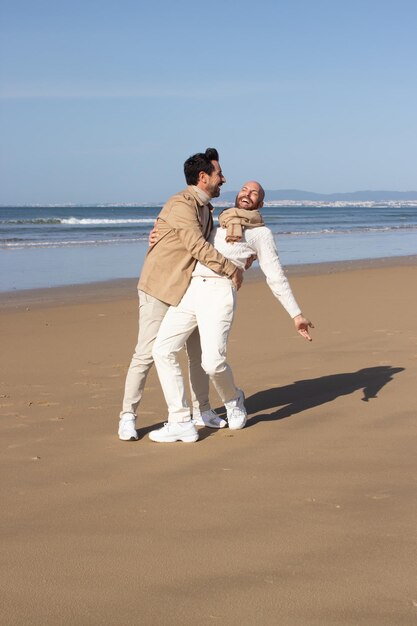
(236, 412)
(175, 431)
(208, 418)
(127, 428)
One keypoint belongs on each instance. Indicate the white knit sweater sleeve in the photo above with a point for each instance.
(262, 240)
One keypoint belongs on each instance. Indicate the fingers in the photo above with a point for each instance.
(303, 330)
(249, 261)
(237, 278)
(237, 282)
(153, 236)
(302, 324)
(304, 333)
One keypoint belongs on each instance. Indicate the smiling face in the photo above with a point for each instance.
(251, 196)
(211, 183)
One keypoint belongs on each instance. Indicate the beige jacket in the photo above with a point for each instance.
(184, 224)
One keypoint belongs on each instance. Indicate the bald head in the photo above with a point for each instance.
(251, 196)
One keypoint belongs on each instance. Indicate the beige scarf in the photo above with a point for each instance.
(235, 220)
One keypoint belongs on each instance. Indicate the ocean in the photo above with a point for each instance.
(62, 245)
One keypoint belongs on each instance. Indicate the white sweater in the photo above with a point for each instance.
(259, 241)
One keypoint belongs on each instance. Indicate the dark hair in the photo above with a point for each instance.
(200, 162)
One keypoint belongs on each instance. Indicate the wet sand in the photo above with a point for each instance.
(307, 516)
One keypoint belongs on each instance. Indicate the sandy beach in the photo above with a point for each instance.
(305, 517)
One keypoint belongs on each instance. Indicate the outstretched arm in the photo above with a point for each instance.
(278, 282)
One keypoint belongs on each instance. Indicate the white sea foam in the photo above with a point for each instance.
(345, 231)
(86, 221)
(75, 221)
(19, 245)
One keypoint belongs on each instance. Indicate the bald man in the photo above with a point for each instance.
(209, 304)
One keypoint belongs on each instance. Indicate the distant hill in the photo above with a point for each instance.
(353, 196)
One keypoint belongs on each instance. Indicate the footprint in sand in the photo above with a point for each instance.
(379, 496)
(87, 384)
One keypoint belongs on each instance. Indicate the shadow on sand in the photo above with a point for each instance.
(306, 394)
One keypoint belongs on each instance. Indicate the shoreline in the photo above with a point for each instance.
(126, 287)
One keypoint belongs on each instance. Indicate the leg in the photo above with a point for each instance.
(199, 381)
(215, 306)
(203, 415)
(151, 314)
(174, 331)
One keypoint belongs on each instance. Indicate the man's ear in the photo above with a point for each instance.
(202, 177)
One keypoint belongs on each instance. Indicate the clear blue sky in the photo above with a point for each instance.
(102, 101)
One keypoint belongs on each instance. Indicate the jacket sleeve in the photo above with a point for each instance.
(183, 220)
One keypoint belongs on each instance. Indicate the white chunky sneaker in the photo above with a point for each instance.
(175, 431)
(127, 428)
(208, 418)
(236, 412)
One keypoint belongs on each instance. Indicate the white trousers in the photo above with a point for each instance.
(208, 303)
(151, 314)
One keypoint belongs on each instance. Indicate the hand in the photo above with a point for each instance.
(250, 260)
(153, 235)
(237, 278)
(302, 325)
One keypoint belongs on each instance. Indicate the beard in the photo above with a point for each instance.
(213, 191)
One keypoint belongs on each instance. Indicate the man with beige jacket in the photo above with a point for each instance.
(184, 225)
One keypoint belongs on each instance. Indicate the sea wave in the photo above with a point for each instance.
(15, 244)
(49, 220)
(75, 221)
(346, 231)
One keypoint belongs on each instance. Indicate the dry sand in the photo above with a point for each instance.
(305, 517)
